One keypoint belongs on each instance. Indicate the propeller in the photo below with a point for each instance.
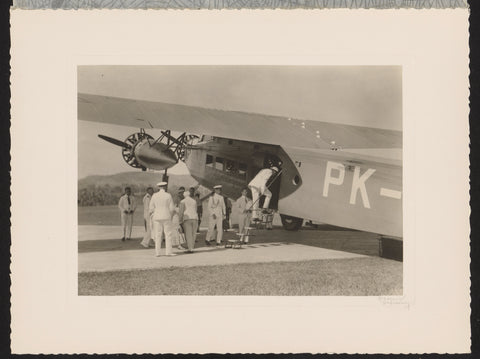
(115, 142)
(139, 150)
(188, 142)
(128, 147)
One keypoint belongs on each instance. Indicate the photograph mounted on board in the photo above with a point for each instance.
(240, 180)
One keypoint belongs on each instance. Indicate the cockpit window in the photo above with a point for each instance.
(206, 138)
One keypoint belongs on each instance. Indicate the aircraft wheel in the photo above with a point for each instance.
(291, 223)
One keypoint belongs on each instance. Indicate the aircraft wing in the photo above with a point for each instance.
(244, 126)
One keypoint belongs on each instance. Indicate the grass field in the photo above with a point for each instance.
(359, 277)
(106, 215)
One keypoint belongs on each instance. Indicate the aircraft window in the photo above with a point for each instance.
(242, 170)
(206, 138)
(219, 163)
(230, 166)
(296, 180)
(209, 161)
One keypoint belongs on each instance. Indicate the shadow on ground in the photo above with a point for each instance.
(323, 236)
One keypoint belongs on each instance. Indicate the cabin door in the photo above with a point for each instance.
(274, 182)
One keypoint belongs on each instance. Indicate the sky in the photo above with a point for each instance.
(359, 95)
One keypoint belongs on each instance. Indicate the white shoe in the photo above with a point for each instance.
(144, 246)
(171, 254)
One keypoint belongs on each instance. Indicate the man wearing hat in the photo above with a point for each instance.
(216, 207)
(258, 186)
(127, 206)
(162, 208)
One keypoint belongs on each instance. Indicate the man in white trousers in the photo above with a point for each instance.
(258, 186)
(161, 209)
(244, 207)
(189, 219)
(146, 218)
(127, 205)
(216, 208)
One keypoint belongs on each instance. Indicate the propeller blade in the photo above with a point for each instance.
(115, 141)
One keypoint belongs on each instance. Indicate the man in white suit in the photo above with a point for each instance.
(127, 205)
(146, 218)
(244, 207)
(161, 209)
(216, 208)
(258, 186)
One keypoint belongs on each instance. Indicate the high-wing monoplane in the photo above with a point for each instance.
(344, 175)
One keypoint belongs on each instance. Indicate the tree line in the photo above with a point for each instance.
(104, 195)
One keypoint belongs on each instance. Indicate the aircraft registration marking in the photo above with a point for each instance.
(335, 175)
(390, 193)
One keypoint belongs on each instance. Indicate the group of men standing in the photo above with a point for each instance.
(169, 219)
(248, 210)
(164, 218)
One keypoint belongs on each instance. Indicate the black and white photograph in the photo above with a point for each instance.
(240, 180)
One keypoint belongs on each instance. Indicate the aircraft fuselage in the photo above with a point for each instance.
(334, 187)
(347, 190)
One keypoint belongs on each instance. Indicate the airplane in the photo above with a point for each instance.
(343, 175)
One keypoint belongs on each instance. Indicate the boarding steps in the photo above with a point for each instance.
(238, 242)
(264, 220)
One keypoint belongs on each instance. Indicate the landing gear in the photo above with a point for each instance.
(291, 223)
(165, 176)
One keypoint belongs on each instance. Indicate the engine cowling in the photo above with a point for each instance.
(139, 150)
(157, 156)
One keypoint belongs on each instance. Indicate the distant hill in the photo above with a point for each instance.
(135, 179)
(106, 190)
